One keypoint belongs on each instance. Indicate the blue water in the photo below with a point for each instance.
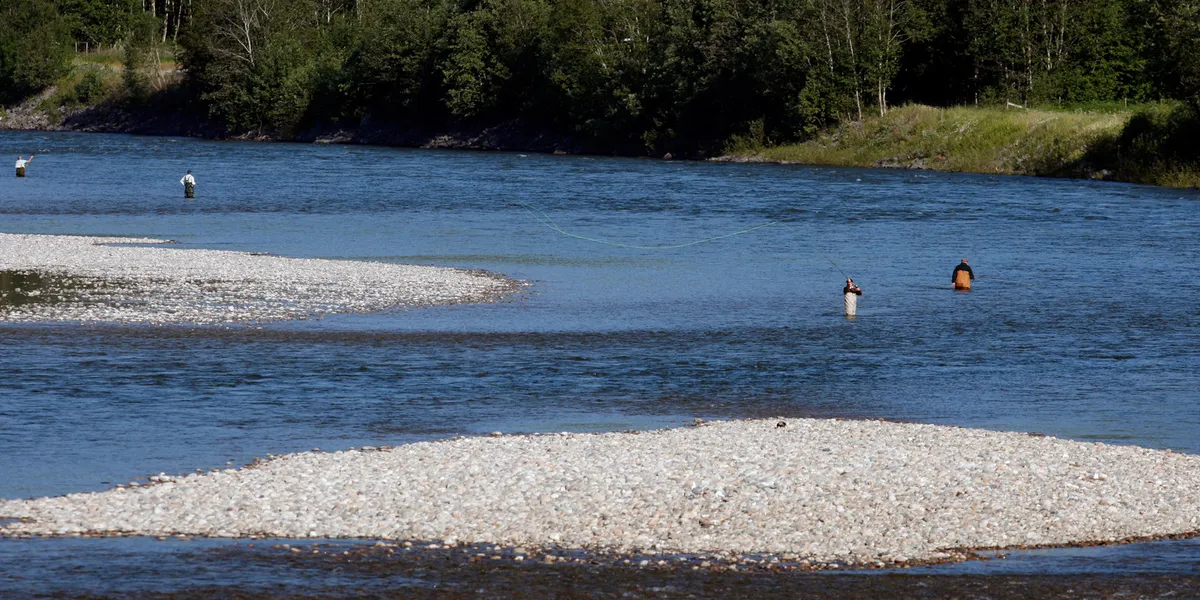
(1084, 321)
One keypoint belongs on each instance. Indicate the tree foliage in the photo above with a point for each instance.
(682, 76)
(35, 47)
(100, 21)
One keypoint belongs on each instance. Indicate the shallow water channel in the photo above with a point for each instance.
(1084, 323)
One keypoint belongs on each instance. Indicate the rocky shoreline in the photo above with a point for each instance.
(813, 493)
(47, 278)
(168, 114)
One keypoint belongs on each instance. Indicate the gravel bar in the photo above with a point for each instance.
(102, 279)
(825, 491)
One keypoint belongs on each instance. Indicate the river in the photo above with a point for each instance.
(1084, 322)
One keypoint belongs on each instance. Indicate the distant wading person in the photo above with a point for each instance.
(189, 185)
(850, 295)
(962, 276)
(21, 162)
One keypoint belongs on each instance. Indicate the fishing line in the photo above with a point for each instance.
(1026, 283)
(544, 219)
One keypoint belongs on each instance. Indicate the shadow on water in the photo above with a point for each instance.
(288, 569)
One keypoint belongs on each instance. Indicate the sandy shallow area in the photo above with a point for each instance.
(851, 492)
(97, 279)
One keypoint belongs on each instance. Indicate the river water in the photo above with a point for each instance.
(1084, 321)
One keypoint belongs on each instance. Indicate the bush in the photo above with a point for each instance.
(1159, 146)
(35, 47)
(90, 88)
(750, 142)
(138, 53)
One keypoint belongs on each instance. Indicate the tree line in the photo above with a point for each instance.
(633, 75)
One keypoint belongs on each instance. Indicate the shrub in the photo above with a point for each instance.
(90, 88)
(1159, 145)
(35, 47)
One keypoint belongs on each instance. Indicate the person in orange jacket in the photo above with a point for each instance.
(962, 276)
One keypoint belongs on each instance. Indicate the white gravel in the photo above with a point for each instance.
(854, 492)
(89, 279)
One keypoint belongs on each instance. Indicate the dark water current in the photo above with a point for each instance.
(1084, 323)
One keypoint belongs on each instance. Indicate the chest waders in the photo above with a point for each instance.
(189, 189)
(962, 280)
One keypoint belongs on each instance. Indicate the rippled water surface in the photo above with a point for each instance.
(1084, 321)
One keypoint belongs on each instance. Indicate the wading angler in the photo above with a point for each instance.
(189, 185)
(21, 162)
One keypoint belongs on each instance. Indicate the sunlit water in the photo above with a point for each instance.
(1084, 321)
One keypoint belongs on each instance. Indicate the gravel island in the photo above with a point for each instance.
(869, 493)
(130, 280)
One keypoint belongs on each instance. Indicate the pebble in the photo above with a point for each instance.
(112, 281)
(845, 493)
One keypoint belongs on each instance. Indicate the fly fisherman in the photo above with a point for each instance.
(851, 293)
(21, 162)
(189, 185)
(962, 276)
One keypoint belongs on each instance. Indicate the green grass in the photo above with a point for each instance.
(1080, 141)
(966, 139)
(96, 77)
(84, 85)
(113, 57)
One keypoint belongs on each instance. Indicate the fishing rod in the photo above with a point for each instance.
(541, 217)
(836, 266)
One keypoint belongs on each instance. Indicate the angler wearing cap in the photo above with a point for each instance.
(962, 276)
(850, 295)
(189, 185)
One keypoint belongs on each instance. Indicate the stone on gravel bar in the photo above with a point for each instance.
(825, 491)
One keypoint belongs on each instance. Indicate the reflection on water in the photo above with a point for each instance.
(310, 569)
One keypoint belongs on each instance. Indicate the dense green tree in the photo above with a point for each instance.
(472, 72)
(254, 62)
(393, 65)
(100, 21)
(598, 58)
(141, 58)
(1175, 28)
(680, 76)
(35, 47)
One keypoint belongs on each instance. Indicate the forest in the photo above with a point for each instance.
(634, 76)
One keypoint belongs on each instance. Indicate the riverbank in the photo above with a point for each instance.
(1148, 145)
(172, 113)
(1131, 145)
(814, 492)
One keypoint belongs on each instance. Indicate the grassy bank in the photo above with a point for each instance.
(1143, 144)
(101, 78)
